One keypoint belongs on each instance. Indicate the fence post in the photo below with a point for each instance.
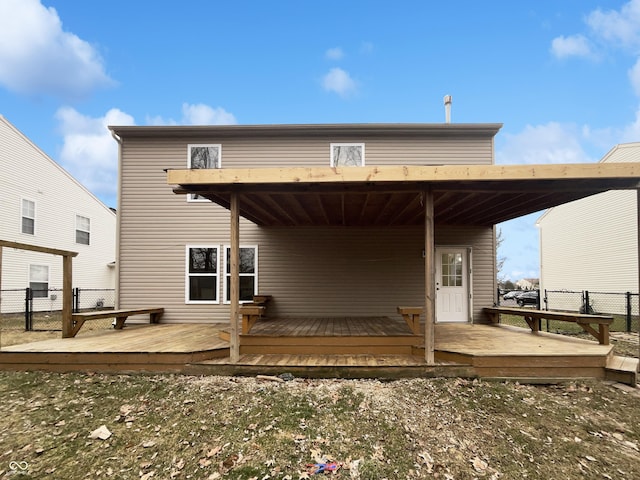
(76, 300)
(628, 311)
(28, 308)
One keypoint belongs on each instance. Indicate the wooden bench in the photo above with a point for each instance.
(78, 319)
(254, 311)
(533, 317)
(250, 315)
(411, 315)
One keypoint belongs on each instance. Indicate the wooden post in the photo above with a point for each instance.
(67, 296)
(429, 278)
(234, 288)
(638, 242)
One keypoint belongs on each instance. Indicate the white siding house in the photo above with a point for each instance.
(591, 244)
(43, 205)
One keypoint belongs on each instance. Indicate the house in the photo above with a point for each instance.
(592, 243)
(335, 221)
(44, 206)
(527, 284)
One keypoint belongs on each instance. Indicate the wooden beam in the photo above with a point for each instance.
(35, 248)
(234, 288)
(402, 173)
(67, 297)
(429, 278)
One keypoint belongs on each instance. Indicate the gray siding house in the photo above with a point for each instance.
(173, 249)
(333, 222)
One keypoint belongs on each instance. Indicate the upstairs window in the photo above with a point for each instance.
(203, 156)
(28, 217)
(347, 154)
(39, 280)
(202, 275)
(83, 230)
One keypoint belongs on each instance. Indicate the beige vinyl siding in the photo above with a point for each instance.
(591, 244)
(27, 172)
(309, 271)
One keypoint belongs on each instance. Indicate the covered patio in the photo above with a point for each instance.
(394, 197)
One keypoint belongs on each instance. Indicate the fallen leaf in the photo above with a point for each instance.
(149, 444)
(214, 451)
(631, 445)
(126, 410)
(101, 432)
(479, 465)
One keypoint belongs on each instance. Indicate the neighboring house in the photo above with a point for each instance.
(335, 220)
(592, 243)
(527, 283)
(43, 205)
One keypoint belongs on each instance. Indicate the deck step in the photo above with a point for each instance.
(622, 369)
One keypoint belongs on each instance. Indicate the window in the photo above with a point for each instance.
(202, 275)
(451, 270)
(83, 229)
(39, 280)
(347, 154)
(248, 274)
(28, 217)
(202, 156)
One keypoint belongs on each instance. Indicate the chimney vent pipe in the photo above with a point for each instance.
(447, 108)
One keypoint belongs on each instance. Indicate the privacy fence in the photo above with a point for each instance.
(28, 309)
(623, 307)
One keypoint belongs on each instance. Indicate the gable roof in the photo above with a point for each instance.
(12, 128)
(621, 153)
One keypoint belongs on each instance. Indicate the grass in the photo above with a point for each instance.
(170, 426)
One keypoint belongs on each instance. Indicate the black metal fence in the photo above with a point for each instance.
(21, 309)
(623, 307)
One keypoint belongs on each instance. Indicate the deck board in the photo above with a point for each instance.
(483, 350)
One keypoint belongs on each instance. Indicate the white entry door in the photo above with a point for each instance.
(452, 284)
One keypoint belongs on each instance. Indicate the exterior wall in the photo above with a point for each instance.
(591, 244)
(309, 271)
(26, 172)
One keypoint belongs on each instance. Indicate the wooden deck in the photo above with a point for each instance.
(347, 347)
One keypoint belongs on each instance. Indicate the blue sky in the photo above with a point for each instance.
(563, 77)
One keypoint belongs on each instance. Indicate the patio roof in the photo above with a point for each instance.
(393, 195)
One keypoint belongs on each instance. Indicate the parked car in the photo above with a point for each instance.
(529, 297)
(512, 294)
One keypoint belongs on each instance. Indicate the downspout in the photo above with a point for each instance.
(118, 218)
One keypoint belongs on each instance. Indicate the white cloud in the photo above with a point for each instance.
(197, 114)
(37, 57)
(631, 132)
(201, 114)
(620, 27)
(572, 46)
(550, 143)
(634, 77)
(334, 53)
(339, 81)
(89, 152)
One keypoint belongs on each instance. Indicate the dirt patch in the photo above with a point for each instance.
(171, 426)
